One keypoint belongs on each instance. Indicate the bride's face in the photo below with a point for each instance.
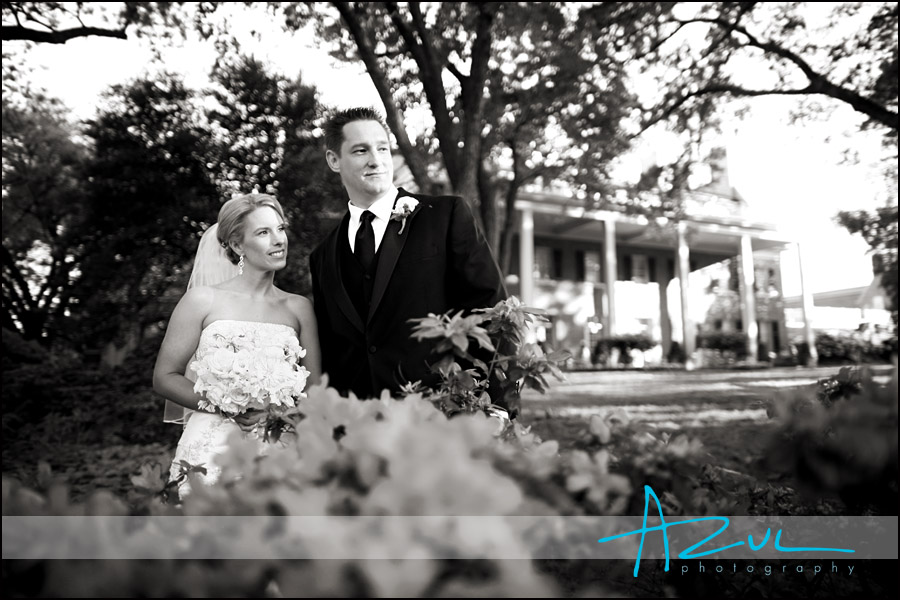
(264, 243)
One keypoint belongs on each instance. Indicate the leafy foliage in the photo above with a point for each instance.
(624, 344)
(98, 237)
(513, 95)
(149, 187)
(59, 22)
(847, 447)
(45, 225)
(466, 379)
(264, 125)
(879, 229)
(735, 343)
(800, 49)
(838, 349)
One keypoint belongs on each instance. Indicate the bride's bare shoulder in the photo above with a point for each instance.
(299, 305)
(298, 300)
(198, 299)
(200, 293)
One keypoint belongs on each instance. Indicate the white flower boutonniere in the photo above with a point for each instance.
(402, 209)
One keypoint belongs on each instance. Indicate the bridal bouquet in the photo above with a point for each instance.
(263, 383)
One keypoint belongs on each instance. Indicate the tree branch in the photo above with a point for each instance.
(17, 32)
(23, 291)
(818, 84)
(432, 83)
(379, 79)
(473, 99)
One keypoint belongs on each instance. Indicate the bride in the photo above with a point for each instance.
(231, 295)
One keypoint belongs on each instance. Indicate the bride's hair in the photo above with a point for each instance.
(215, 260)
(233, 214)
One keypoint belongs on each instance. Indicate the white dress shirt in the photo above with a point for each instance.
(381, 208)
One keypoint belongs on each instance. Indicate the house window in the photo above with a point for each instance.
(640, 268)
(579, 265)
(624, 268)
(592, 263)
(543, 262)
(548, 262)
(734, 276)
(557, 271)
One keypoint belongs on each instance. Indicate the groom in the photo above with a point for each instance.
(395, 256)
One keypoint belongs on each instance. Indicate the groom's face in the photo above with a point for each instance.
(364, 162)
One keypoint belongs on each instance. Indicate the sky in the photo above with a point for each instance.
(791, 174)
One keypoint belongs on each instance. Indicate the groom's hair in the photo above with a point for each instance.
(233, 214)
(334, 126)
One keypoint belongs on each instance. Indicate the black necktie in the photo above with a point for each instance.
(364, 249)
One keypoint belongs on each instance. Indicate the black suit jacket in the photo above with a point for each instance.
(440, 262)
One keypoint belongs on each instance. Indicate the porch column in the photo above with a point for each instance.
(748, 299)
(784, 342)
(808, 305)
(526, 256)
(684, 271)
(662, 276)
(610, 273)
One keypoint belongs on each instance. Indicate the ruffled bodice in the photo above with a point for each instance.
(251, 334)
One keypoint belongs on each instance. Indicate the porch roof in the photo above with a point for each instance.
(565, 218)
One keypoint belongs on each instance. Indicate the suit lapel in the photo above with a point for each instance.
(391, 247)
(336, 279)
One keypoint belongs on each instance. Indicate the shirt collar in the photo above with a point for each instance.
(381, 208)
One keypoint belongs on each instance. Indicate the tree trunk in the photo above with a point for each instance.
(472, 97)
(508, 229)
(394, 115)
(487, 194)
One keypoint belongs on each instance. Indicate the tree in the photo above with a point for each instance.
(150, 191)
(59, 22)
(265, 135)
(514, 93)
(804, 53)
(879, 229)
(44, 224)
(556, 105)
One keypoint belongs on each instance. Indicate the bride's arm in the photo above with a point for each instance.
(179, 344)
(309, 338)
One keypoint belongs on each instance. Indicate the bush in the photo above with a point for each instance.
(62, 400)
(843, 349)
(840, 436)
(838, 348)
(624, 344)
(676, 354)
(394, 458)
(734, 343)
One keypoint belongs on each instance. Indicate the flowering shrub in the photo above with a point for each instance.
(381, 458)
(846, 447)
(468, 379)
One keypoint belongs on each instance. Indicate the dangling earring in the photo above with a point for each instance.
(241, 265)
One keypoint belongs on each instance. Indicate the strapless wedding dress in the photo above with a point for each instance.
(206, 435)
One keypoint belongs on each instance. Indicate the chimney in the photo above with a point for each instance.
(718, 166)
